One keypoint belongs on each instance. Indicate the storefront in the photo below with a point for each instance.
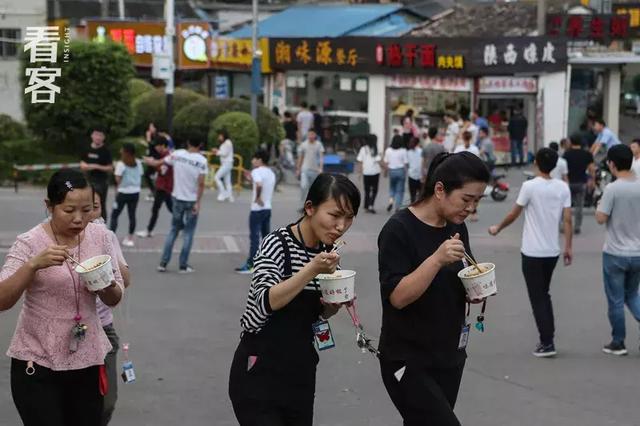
(429, 75)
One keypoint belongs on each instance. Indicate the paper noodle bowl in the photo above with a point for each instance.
(97, 272)
(479, 285)
(338, 287)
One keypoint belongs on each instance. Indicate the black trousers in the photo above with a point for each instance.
(159, 198)
(148, 173)
(56, 398)
(423, 396)
(370, 190)
(260, 397)
(101, 188)
(537, 274)
(414, 189)
(131, 202)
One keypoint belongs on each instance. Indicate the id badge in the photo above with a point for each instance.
(464, 337)
(128, 374)
(322, 335)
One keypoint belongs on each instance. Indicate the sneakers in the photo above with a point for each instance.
(161, 268)
(128, 242)
(614, 348)
(230, 198)
(221, 197)
(186, 270)
(149, 197)
(244, 269)
(144, 234)
(545, 351)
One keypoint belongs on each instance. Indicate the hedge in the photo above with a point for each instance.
(242, 130)
(139, 87)
(152, 107)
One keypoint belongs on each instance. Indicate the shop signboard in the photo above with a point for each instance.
(194, 39)
(631, 9)
(501, 85)
(424, 56)
(221, 87)
(236, 53)
(591, 27)
(452, 84)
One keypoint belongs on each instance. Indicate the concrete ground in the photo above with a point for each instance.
(183, 329)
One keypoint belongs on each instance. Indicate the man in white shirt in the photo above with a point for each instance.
(619, 209)
(452, 132)
(561, 170)
(264, 182)
(310, 162)
(635, 149)
(544, 200)
(467, 145)
(189, 170)
(305, 121)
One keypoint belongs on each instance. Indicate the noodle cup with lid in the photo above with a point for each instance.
(338, 287)
(479, 285)
(96, 272)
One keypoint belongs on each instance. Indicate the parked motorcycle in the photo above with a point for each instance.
(497, 189)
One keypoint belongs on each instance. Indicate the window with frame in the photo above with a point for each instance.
(9, 42)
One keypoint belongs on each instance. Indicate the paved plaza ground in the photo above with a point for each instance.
(183, 329)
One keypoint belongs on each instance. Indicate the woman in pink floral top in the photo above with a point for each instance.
(58, 348)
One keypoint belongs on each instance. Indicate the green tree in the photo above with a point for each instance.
(94, 91)
(242, 130)
(151, 107)
(138, 87)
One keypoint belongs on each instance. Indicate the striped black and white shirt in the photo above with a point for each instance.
(268, 270)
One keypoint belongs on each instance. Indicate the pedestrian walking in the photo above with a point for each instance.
(409, 128)
(468, 125)
(273, 373)
(97, 163)
(422, 344)
(605, 139)
(544, 201)
(128, 175)
(263, 181)
(579, 162)
(414, 158)
(189, 171)
(453, 129)
(105, 315)
(467, 144)
(305, 121)
(151, 137)
(635, 149)
(619, 209)
(164, 187)
(561, 170)
(310, 162)
(58, 348)
(517, 129)
(223, 175)
(317, 121)
(395, 164)
(487, 148)
(369, 161)
(430, 151)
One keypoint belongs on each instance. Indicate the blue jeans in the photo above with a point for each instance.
(516, 151)
(259, 226)
(621, 279)
(397, 179)
(184, 220)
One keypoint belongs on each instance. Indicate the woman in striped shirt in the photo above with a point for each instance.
(272, 379)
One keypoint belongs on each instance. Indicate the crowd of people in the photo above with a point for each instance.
(65, 340)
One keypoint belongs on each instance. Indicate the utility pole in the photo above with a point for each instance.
(256, 84)
(169, 32)
(542, 17)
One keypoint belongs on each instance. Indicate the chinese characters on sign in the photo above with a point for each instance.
(437, 56)
(507, 85)
(593, 27)
(631, 9)
(42, 45)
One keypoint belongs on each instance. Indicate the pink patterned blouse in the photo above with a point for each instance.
(43, 332)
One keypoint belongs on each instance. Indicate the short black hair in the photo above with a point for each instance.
(98, 128)
(485, 129)
(621, 156)
(636, 140)
(546, 159)
(601, 121)
(160, 141)
(576, 140)
(467, 135)
(337, 187)
(129, 148)
(454, 171)
(193, 143)
(224, 133)
(433, 132)
(303, 104)
(62, 182)
(397, 142)
(262, 155)
(312, 108)
(287, 114)
(554, 146)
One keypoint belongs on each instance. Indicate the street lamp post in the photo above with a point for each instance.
(169, 32)
(255, 63)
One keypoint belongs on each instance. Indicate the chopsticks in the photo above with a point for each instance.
(470, 260)
(76, 262)
(338, 246)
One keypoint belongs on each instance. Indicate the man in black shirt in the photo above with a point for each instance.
(517, 129)
(97, 163)
(579, 161)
